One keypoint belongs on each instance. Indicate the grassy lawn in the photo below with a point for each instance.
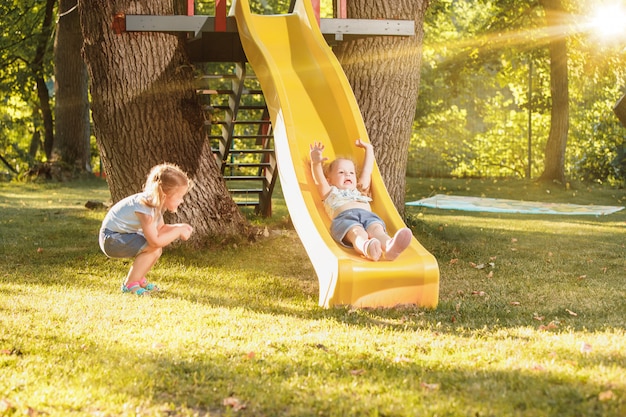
(530, 320)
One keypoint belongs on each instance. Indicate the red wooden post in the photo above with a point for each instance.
(220, 16)
(316, 9)
(191, 7)
(343, 9)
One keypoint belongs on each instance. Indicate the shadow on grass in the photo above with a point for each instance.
(327, 381)
(49, 246)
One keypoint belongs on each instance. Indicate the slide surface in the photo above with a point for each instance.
(309, 99)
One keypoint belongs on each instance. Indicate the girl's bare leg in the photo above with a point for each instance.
(369, 247)
(392, 247)
(143, 263)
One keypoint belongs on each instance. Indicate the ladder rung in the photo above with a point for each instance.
(253, 136)
(248, 164)
(213, 91)
(249, 151)
(243, 178)
(252, 122)
(246, 190)
(243, 107)
(216, 76)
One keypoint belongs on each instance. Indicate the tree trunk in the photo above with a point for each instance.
(72, 132)
(145, 112)
(37, 68)
(384, 72)
(554, 166)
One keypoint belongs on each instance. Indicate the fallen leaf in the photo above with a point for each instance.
(39, 250)
(585, 347)
(606, 396)
(490, 274)
(399, 359)
(234, 403)
(570, 312)
(357, 372)
(5, 406)
(582, 277)
(478, 293)
(430, 386)
(454, 261)
(251, 355)
(515, 303)
(513, 240)
(551, 326)
(538, 318)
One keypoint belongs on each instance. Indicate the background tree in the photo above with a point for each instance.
(554, 166)
(485, 105)
(145, 112)
(384, 72)
(37, 66)
(72, 132)
(25, 49)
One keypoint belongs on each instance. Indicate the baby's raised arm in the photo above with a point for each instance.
(365, 178)
(317, 168)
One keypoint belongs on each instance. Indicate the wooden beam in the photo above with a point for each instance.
(220, 16)
(197, 24)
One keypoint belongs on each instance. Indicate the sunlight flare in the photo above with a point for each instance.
(608, 21)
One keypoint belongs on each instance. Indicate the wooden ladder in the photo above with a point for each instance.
(240, 131)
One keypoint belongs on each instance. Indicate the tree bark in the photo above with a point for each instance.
(384, 72)
(37, 68)
(145, 112)
(72, 132)
(554, 166)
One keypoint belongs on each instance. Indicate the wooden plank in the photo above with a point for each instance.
(197, 24)
(367, 27)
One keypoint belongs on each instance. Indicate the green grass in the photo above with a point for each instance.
(539, 331)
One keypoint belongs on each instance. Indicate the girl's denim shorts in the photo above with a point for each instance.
(346, 220)
(121, 245)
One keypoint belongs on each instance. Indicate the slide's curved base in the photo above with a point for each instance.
(310, 99)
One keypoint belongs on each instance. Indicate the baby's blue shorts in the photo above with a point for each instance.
(121, 245)
(346, 220)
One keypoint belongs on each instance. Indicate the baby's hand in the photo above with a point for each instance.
(316, 153)
(186, 231)
(360, 144)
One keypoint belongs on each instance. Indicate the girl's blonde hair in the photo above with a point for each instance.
(162, 180)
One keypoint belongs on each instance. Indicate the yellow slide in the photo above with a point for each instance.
(309, 99)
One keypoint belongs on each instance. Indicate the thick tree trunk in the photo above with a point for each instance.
(554, 166)
(72, 132)
(384, 73)
(145, 112)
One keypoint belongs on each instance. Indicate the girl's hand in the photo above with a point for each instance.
(186, 231)
(316, 153)
(360, 144)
